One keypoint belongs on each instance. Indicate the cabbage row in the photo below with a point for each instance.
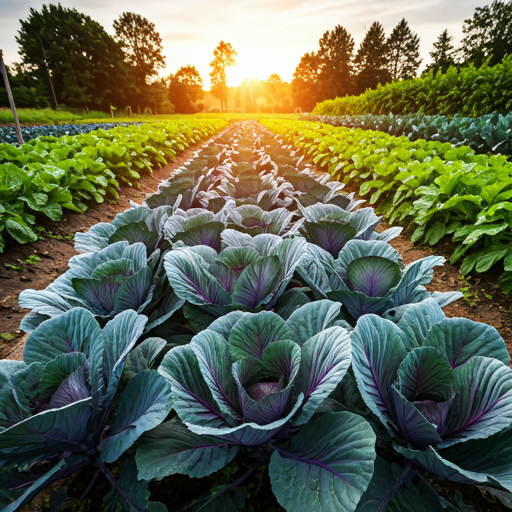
(8, 133)
(444, 190)
(249, 318)
(48, 174)
(487, 134)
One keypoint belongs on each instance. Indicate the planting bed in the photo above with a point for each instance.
(444, 192)
(249, 339)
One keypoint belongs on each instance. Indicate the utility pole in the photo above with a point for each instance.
(11, 99)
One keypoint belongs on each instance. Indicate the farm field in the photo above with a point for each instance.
(247, 235)
(256, 258)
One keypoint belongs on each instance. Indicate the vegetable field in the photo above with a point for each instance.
(248, 339)
(444, 191)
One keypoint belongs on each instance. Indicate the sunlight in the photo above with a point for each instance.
(249, 64)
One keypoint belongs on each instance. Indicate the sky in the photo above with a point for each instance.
(270, 36)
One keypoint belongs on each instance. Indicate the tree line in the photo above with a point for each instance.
(335, 71)
(70, 60)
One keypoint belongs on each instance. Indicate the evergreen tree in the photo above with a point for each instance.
(141, 44)
(185, 88)
(442, 54)
(488, 34)
(372, 59)
(336, 54)
(224, 56)
(404, 52)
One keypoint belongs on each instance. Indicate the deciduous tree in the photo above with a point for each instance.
(224, 56)
(404, 52)
(305, 83)
(185, 88)
(141, 44)
(488, 34)
(85, 64)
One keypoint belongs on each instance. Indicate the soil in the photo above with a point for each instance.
(56, 249)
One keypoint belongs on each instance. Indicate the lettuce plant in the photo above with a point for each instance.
(105, 282)
(56, 404)
(369, 277)
(330, 227)
(238, 277)
(442, 388)
(252, 383)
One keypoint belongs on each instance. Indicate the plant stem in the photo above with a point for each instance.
(398, 483)
(99, 464)
(89, 487)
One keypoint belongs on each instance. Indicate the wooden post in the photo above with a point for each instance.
(11, 99)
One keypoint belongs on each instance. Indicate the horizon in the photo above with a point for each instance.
(269, 36)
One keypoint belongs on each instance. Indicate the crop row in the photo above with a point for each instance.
(8, 133)
(487, 134)
(47, 174)
(468, 91)
(444, 190)
(249, 316)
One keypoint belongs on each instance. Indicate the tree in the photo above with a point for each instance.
(224, 56)
(442, 54)
(335, 54)
(85, 64)
(404, 52)
(305, 83)
(27, 90)
(185, 88)
(372, 59)
(488, 34)
(141, 44)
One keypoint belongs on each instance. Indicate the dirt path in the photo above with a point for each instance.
(489, 305)
(55, 251)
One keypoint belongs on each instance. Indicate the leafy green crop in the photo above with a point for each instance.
(491, 133)
(444, 190)
(47, 174)
(468, 91)
(8, 133)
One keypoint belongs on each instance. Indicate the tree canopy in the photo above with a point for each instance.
(443, 54)
(224, 56)
(335, 52)
(372, 59)
(404, 52)
(141, 43)
(185, 89)
(488, 34)
(80, 56)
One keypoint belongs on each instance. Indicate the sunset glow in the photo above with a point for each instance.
(269, 36)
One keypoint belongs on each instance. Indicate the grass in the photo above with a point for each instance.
(49, 116)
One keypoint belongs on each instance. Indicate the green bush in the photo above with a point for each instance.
(469, 91)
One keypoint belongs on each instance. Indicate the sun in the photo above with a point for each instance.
(249, 64)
